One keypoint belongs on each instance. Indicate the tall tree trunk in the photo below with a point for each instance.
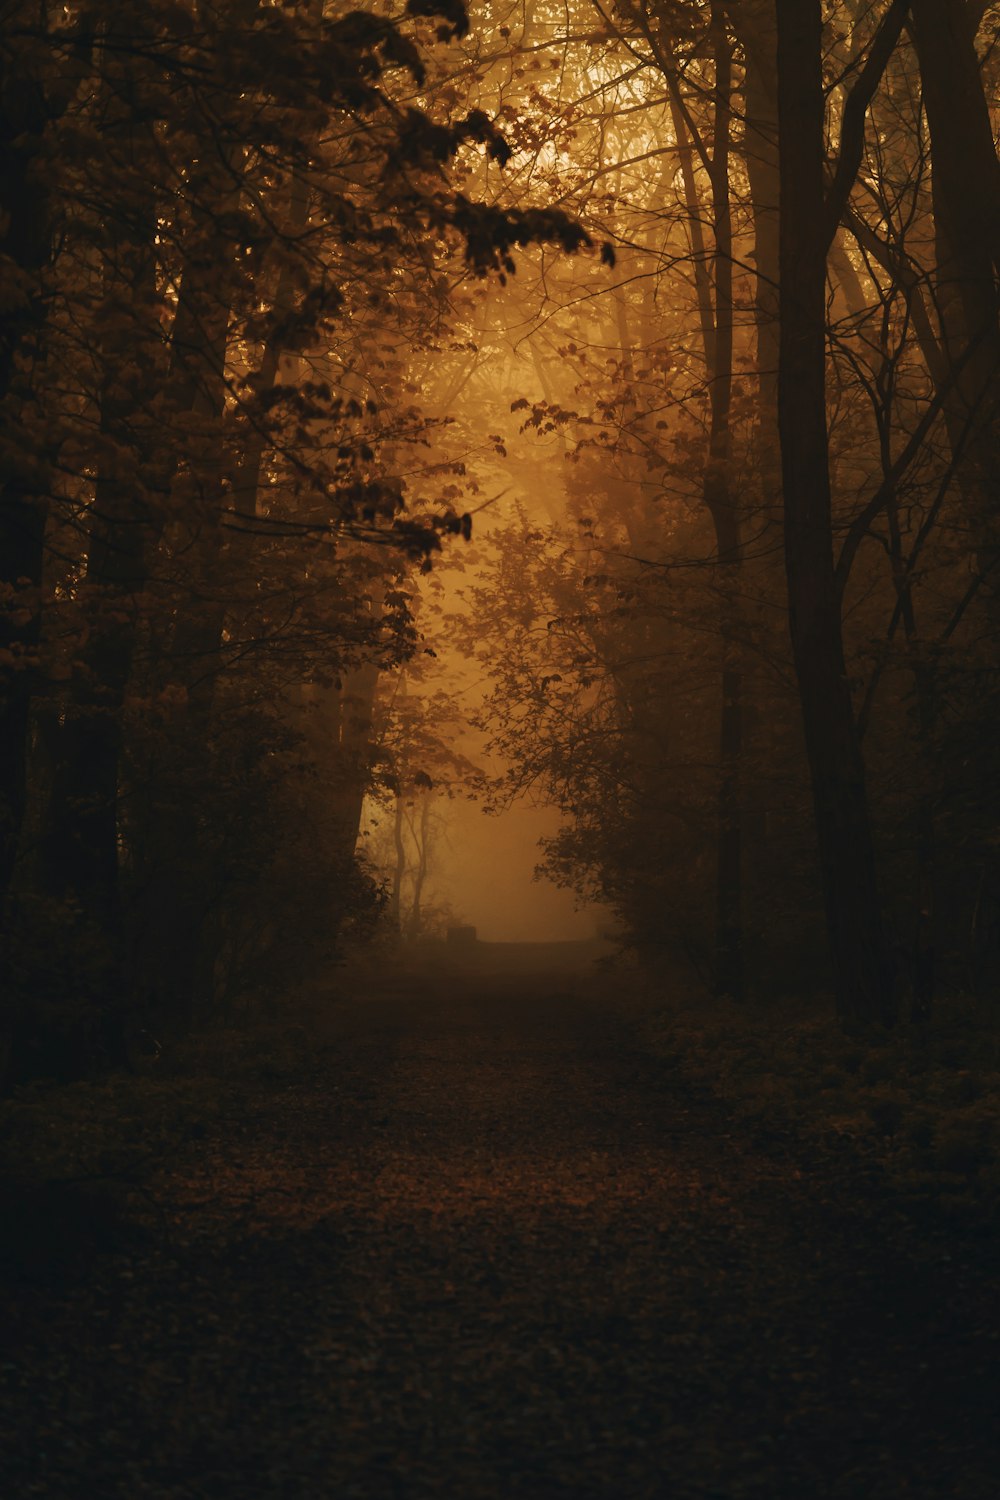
(862, 971)
(723, 506)
(395, 910)
(421, 830)
(713, 273)
(195, 654)
(25, 248)
(966, 172)
(966, 191)
(925, 695)
(966, 197)
(754, 24)
(79, 846)
(354, 747)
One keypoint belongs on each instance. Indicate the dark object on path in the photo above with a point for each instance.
(461, 937)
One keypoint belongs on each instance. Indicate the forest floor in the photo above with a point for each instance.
(464, 1236)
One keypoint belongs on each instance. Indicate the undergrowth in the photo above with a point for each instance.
(921, 1100)
(77, 1159)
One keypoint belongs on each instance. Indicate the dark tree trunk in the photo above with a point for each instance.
(730, 975)
(966, 188)
(395, 908)
(713, 274)
(862, 971)
(22, 534)
(966, 170)
(26, 242)
(754, 24)
(966, 193)
(723, 507)
(79, 846)
(195, 656)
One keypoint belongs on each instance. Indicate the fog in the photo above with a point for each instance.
(484, 866)
(487, 877)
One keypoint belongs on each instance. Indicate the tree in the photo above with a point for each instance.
(249, 199)
(809, 218)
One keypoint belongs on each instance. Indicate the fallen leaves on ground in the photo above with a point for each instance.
(472, 1242)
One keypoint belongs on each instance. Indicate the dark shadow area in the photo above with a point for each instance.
(473, 1240)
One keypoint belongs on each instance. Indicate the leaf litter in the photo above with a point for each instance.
(472, 1242)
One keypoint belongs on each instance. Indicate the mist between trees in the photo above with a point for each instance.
(686, 312)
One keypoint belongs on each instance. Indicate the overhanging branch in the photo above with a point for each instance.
(852, 130)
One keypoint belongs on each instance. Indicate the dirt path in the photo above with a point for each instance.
(483, 1249)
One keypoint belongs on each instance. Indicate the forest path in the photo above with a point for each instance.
(484, 1248)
